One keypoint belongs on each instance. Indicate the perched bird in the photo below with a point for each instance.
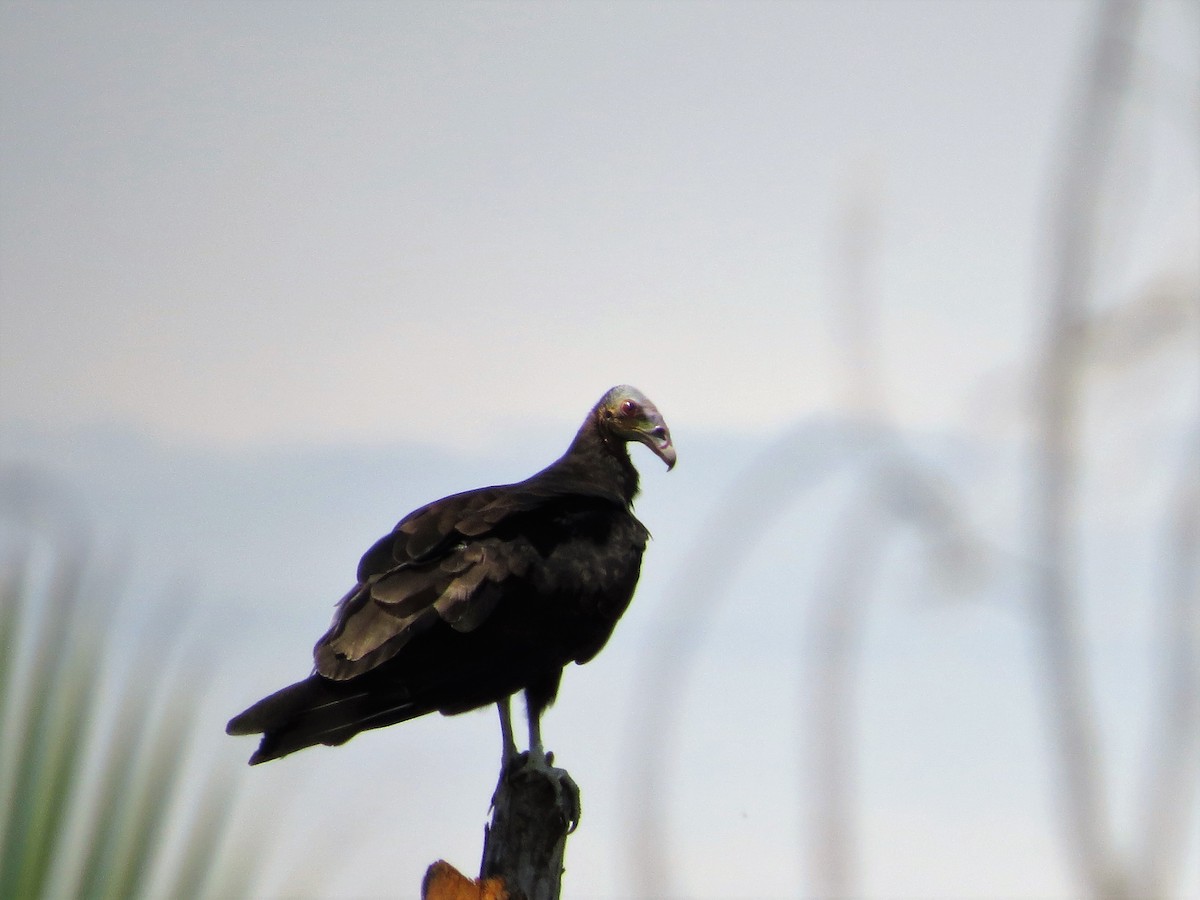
(480, 595)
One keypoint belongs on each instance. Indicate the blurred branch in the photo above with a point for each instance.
(1151, 325)
(838, 612)
(855, 312)
(1141, 327)
(843, 589)
(1174, 752)
(900, 492)
(1073, 227)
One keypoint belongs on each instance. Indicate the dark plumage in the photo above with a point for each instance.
(480, 595)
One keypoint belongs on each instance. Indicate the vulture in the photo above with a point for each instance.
(479, 595)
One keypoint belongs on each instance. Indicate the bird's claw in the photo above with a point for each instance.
(572, 804)
(528, 766)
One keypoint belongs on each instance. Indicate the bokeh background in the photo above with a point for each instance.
(916, 285)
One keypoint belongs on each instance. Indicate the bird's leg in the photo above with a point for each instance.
(539, 694)
(537, 753)
(536, 702)
(506, 732)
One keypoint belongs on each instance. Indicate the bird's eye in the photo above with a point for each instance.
(630, 408)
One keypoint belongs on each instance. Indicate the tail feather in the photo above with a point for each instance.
(320, 711)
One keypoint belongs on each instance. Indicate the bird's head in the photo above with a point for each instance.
(627, 414)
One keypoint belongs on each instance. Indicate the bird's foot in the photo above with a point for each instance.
(526, 770)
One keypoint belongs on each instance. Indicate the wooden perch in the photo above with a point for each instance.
(534, 808)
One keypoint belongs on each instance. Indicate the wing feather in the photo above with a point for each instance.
(450, 561)
(440, 563)
(367, 636)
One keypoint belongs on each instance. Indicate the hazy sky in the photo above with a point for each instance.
(259, 222)
(248, 225)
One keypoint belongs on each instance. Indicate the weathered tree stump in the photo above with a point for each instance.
(534, 808)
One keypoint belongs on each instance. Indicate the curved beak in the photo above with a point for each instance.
(657, 437)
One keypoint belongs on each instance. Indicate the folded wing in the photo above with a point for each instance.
(444, 563)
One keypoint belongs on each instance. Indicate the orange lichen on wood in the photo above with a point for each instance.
(444, 882)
